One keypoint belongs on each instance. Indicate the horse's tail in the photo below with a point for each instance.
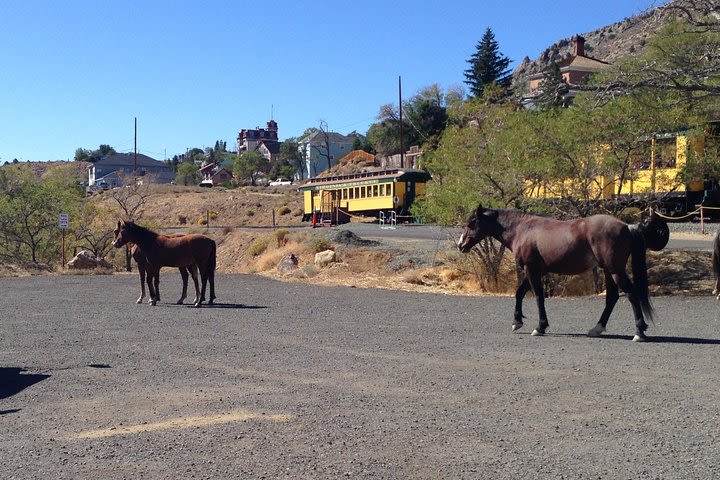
(212, 260)
(639, 268)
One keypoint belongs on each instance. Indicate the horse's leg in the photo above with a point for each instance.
(141, 270)
(611, 298)
(626, 285)
(535, 278)
(184, 275)
(199, 297)
(192, 269)
(157, 286)
(519, 295)
(153, 284)
(211, 279)
(204, 279)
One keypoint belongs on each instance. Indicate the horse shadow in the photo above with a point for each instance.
(241, 306)
(13, 381)
(650, 338)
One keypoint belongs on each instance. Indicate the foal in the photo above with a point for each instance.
(141, 261)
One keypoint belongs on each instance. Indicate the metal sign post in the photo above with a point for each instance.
(63, 222)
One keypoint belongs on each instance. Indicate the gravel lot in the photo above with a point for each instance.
(299, 381)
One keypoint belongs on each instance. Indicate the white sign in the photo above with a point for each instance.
(63, 220)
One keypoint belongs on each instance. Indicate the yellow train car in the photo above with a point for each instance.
(336, 198)
(656, 172)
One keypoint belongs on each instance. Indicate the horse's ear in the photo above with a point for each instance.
(492, 214)
(480, 209)
(119, 225)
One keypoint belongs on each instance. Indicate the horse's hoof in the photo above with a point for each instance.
(537, 333)
(153, 302)
(639, 338)
(197, 305)
(596, 331)
(179, 302)
(139, 300)
(516, 326)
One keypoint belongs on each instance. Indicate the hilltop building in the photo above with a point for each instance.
(109, 170)
(574, 69)
(264, 140)
(322, 150)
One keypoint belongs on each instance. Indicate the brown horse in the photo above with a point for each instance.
(141, 261)
(545, 245)
(162, 251)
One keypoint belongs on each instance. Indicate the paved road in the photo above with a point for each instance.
(298, 381)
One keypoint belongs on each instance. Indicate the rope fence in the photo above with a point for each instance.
(699, 210)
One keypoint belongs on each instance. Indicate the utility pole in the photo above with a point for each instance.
(135, 169)
(402, 149)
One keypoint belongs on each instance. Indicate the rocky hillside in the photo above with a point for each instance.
(612, 42)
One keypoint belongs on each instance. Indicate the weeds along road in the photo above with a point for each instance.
(301, 381)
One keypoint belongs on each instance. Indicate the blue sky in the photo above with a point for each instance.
(77, 73)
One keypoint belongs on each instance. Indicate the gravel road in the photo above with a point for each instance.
(300, 381)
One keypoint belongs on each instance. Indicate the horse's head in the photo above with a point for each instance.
(122, 234)
(482, 222)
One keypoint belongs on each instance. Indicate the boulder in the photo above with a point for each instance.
(325, 258)
(86, 260)
(288, 263)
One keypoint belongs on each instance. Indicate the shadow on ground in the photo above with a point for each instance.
(13, 380)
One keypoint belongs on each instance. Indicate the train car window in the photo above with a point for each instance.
(665, 153)
(362, 192)
(375, 190)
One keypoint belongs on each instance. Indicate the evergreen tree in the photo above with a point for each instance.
(487, 66)
(552, 90)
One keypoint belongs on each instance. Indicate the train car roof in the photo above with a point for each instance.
(364, 178)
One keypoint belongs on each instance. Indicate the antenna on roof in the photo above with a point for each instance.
(271, 111)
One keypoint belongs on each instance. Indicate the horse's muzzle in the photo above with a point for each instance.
(463, 244)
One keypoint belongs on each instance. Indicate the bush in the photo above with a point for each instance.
(258, 246)
(284, 210)
(281, 236)
(318, 244)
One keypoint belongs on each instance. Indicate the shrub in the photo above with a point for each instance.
(284, 210)
(258, 246)
(318, 244)
(281, 236)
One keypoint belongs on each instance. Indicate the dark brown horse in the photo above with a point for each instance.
(163, 251)
(544, 245)
(141, 261)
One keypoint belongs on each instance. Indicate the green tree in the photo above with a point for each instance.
(29, 209)
(187, 174)
(487, 66)
(249, 165)
(552, 92)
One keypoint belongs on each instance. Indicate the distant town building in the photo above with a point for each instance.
(108, 171)
(264, 140)
(575, 70)
(322, 150)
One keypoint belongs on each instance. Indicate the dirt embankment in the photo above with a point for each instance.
(403, 265)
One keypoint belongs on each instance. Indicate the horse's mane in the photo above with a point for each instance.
(140, 231)
(511, 217)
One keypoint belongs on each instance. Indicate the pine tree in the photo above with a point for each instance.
(487, 66)
(552, 90)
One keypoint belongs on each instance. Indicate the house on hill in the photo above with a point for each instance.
(575, 70)
(322, 150)
(108, 171)
(264, 140)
